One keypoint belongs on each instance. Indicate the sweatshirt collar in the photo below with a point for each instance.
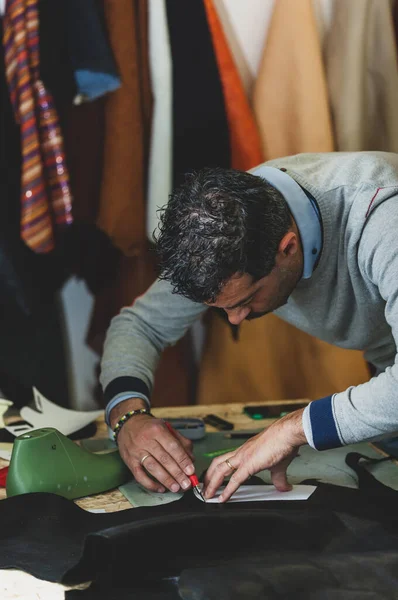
(304, 210)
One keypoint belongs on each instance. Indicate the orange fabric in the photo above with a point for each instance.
(244, 137)
(272, 359)
(122, 211)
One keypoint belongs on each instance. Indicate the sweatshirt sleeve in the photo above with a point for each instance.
(136, 338)
(370, 410)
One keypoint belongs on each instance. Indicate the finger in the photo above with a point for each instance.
(279, 478)
(214, 466)
(154, 465)
(212, 469)
(148, 483)
(187, 444)
(234, 483)
(139, 473)
(171, 443)
(220, 471)
(165, 459)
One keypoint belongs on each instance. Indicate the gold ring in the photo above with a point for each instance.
(230, 466)
(143, 458)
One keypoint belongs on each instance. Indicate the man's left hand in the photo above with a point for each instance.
(273, 449)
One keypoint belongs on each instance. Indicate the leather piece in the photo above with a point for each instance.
(52, 538)
(67, 544)
(340, 577)
(164, 590)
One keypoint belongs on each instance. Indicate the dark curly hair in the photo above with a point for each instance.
(217, 223)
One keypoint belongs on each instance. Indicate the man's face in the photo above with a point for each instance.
(241, 298)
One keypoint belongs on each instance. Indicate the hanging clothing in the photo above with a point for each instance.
(122, 207)
(361, 66)
(45, 193)
(90, 56)
(122, 204)
(32, 351)
(166, 73)
(290, 93)
(291, 106)
(200, 127)
(161, 150)
(245, 140)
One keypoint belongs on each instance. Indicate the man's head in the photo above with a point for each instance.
(227, 239)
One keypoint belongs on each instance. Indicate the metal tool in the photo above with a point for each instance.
(241, 435)
(192, 428)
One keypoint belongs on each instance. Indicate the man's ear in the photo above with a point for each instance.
(288, 246)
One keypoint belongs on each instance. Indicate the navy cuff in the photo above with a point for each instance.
(125, 384)
(323, 425)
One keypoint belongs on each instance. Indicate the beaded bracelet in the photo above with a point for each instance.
(126, 417)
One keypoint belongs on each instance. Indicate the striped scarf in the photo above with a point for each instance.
(45, 193)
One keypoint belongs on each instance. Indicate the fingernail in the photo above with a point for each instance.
(161, 490)
(185, 484)
(175, 487)
(220, 499)
(190, 470)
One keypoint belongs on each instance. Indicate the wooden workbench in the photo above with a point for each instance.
(114, 500)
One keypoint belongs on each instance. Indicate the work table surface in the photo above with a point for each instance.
(114, 500)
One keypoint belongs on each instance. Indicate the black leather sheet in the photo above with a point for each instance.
(52, 538)
(134, 550)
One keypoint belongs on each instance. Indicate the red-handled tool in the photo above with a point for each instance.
(192, 478)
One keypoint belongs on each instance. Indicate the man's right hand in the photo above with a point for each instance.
(168, 460)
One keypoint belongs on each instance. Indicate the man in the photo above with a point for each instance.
(313, 238)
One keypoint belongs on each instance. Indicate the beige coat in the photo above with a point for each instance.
(361, 66)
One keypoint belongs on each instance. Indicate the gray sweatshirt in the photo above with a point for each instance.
(350, 299)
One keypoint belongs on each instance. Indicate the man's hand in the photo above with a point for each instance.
(273, 449)
(168, 460)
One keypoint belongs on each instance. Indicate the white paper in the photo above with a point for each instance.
(48, 414)
(4, 406)
(2, 7)
(16, 584)
(254, 493)
(5, 454)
